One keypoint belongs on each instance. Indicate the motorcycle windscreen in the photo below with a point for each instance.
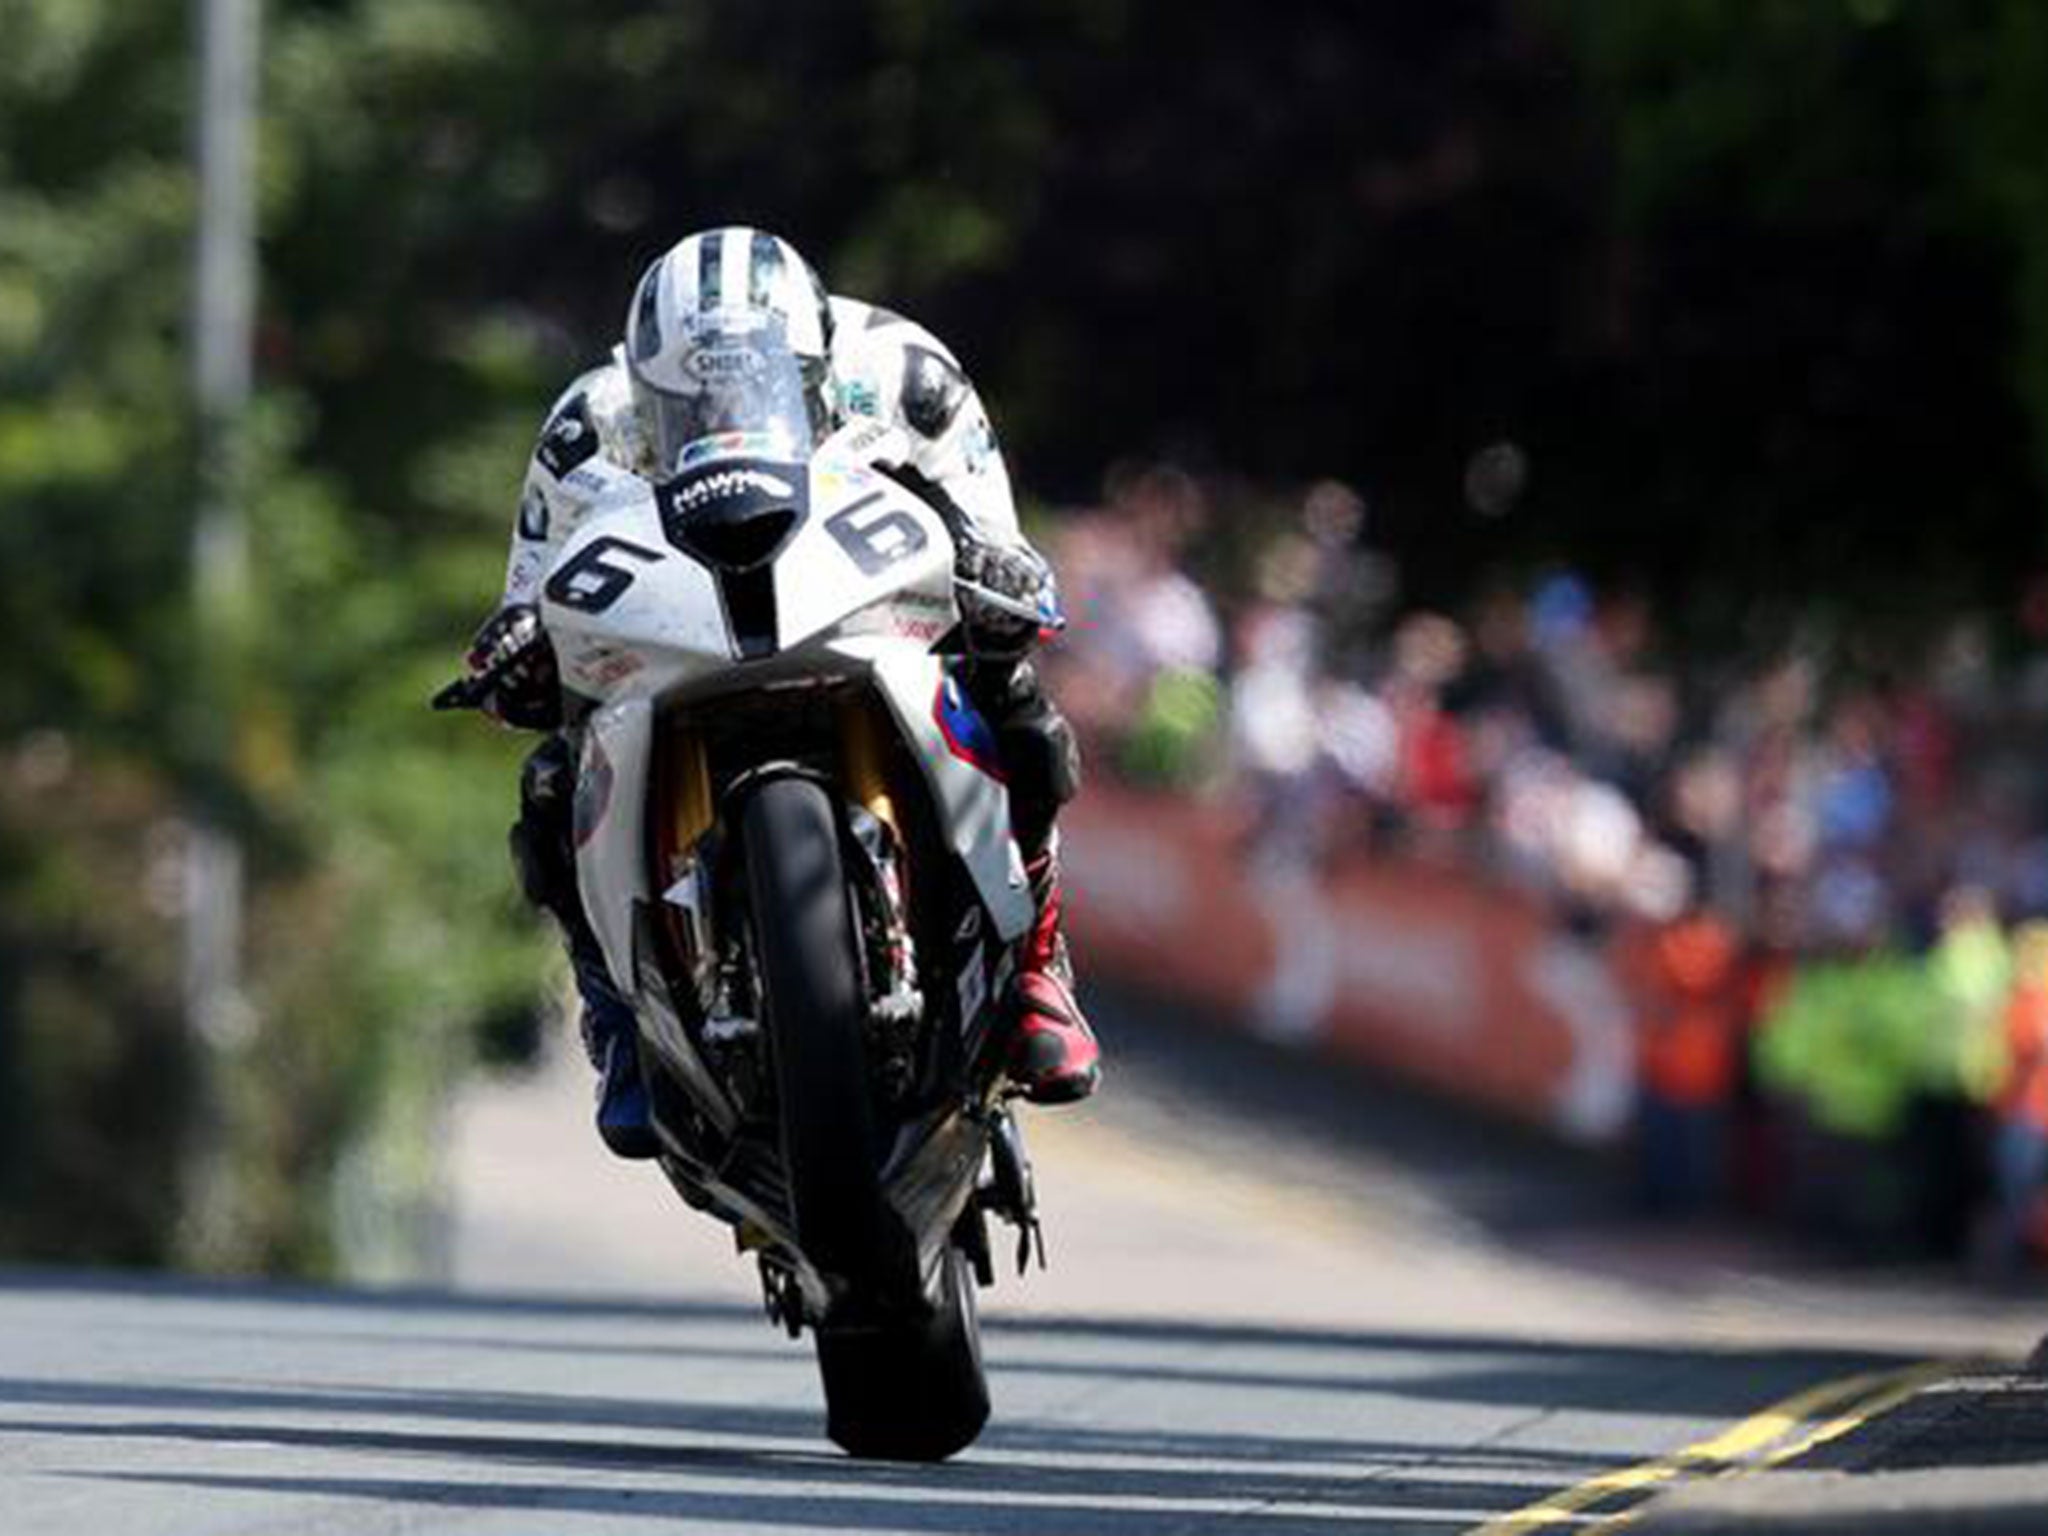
(744, 379)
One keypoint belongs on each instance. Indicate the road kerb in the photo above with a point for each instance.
(1765, 1439)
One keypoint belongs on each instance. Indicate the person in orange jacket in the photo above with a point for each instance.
(1688, 1059)
(2020, 1155)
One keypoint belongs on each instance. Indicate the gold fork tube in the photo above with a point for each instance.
(866, 775)
(689, 774)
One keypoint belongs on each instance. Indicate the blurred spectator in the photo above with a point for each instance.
(1969, 976)
(1434, 785)
(1275, 734)
(1814, 843)
(1769, 963)
(1843, 1052)
(1142, 666)
(1971, 973)
(1689, 1040)
(2020, 1152)
(1852, 794)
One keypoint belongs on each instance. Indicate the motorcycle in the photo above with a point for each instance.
(793, 843)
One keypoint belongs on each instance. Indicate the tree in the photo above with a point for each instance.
(1828, 333)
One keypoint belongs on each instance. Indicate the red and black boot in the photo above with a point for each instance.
(1053, 1056)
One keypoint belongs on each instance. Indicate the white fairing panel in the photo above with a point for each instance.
(974, 805)
(630, 614)
(872, 559)
(611, 818)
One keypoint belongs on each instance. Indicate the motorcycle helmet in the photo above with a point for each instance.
(728, 348)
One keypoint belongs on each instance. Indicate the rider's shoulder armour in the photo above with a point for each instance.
(609, 398)
(569, 439)
(894, 368)
(933, 389)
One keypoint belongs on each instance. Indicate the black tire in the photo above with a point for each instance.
(803, 942)
(909, 1391)
(902, 1372)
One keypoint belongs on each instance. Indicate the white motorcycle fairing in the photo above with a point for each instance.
(861, 586)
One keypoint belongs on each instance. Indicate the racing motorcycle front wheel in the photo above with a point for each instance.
(901, 1357)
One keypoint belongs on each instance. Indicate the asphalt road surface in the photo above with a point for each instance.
(1280, 1302)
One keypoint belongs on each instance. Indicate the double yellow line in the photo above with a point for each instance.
(1777, 1434)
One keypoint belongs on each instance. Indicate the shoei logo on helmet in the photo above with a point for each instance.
(725, 365)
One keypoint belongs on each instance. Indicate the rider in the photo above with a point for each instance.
(730, 335)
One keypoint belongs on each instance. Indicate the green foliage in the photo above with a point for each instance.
(381, 929)
(96, 1073)
(1834, 215)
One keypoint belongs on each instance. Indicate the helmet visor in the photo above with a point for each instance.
(737, 377)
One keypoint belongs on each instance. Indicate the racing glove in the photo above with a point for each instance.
(511, 664)
(1009, 598)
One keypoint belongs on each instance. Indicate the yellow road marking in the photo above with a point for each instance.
(1903, 1385)
(1761, 1440)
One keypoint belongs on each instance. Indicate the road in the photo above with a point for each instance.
(1361, 1316)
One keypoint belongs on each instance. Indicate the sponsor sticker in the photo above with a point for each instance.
(605, 666)
(724, 484)
(859, 397)
(726, 320)
(843, 479)
(593, 792)
(732, 444)
(533, 514)
(872, 435)
(527, 571)
(973, 990)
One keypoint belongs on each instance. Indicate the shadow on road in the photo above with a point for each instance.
(681, 1412)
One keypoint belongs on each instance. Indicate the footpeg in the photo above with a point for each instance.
(1013, 1193)
(1030, 1238)
(1009, 1190)
(782, 1298)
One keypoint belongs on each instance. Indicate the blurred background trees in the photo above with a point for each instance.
(1758, 294)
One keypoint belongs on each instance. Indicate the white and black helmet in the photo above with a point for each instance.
(730, 333)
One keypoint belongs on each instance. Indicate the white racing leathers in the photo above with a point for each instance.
(888, 370)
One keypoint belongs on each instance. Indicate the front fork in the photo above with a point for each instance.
(1004, 1187)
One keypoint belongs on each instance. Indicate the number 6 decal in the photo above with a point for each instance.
(876, 545)
(589, 585)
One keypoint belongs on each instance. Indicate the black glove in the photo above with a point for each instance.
(1008, 596)
(512, 670)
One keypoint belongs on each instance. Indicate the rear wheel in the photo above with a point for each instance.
(902, 1369)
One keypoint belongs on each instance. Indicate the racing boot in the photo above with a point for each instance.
(625, 1121)
(1053, 1055)
(543, 853)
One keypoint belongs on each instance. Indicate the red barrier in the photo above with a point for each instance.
(1467, 987)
